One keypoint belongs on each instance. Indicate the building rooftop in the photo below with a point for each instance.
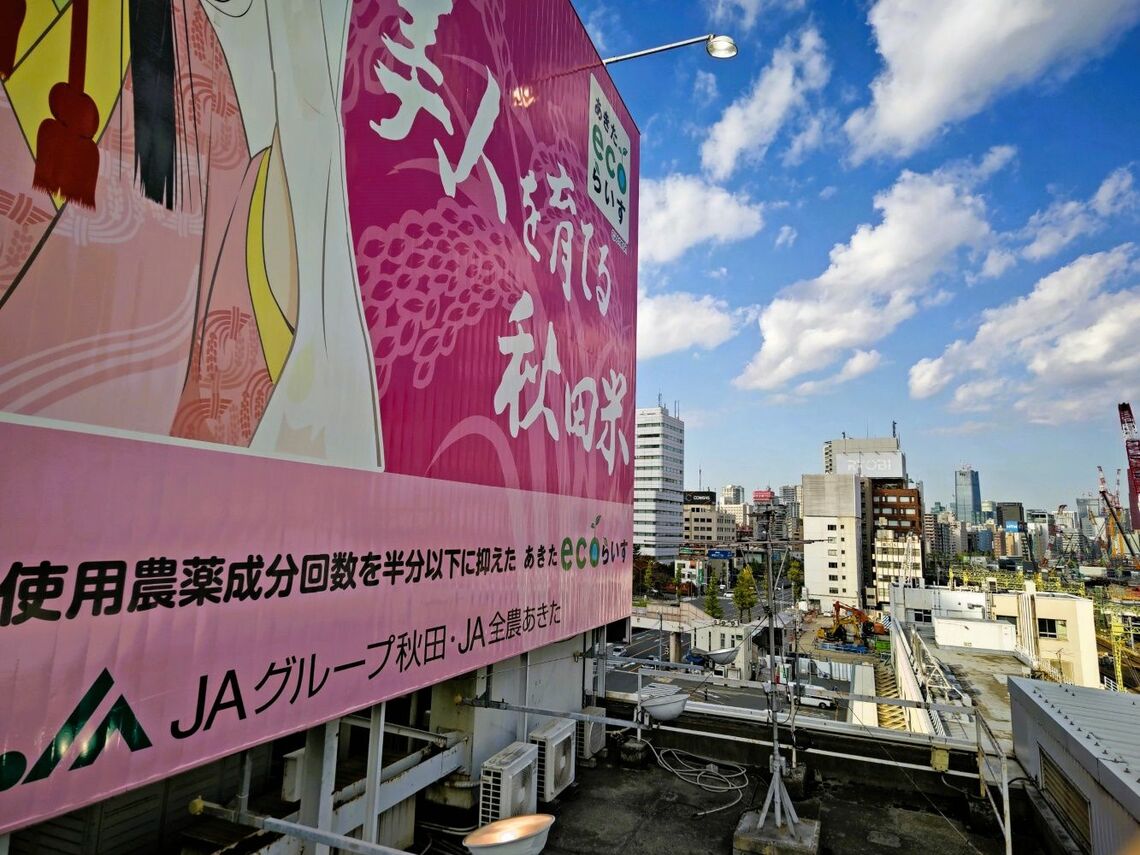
(1097, 727)
(984, 676)
(612, 809)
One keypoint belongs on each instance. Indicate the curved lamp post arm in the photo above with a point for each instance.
(718, 47)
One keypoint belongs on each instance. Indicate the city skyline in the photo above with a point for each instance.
(835, 235)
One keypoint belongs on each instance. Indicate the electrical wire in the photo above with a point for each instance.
(708, 775)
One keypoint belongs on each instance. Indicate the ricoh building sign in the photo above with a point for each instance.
(310, 394)
(871, 464)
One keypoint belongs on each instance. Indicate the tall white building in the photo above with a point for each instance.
(732, 494)
(658, 483)
(833, 529)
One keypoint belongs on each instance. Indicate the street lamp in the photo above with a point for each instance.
(718, 47)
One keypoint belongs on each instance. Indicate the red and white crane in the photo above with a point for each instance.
(1132, 453)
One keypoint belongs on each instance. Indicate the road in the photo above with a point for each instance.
(743, 697)
(650, 641)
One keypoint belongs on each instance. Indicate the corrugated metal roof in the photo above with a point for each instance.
(1098, 727)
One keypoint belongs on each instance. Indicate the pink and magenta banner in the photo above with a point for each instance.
(316, 369)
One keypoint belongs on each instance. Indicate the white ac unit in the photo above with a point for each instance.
(509, 784)
(555, 741)
(591, 734)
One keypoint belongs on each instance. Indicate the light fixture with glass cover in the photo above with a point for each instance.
(518, 835)
(718, 47)
(721, 47)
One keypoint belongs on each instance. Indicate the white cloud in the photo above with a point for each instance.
(681, 211)
(947, 61)
(704, 85)
(603, 24)
(1063, 351)
(744, 13)
(928, 377)
(807, 139)
(786, 236)
(679, 321)
(1115, 193)
(874, 281)
(1049, 231)
(997, 262)
(1057, 226)
(861, 362)
(995, 160)
(828, 191)
(977, 395)
(718, 273)
(750, 124)
(1063, 222)
(939, 298)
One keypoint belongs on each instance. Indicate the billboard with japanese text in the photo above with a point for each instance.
(317, 336)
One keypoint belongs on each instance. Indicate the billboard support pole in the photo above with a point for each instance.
(317, 788)
(373, 770)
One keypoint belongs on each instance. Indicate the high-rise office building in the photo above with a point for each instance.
(732, 494)
(967, 496)
(833, 528)
(658, 483)
(1008, 512)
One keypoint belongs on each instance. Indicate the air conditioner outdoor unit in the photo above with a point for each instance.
(555, 741)
(591, 734)
(509, 785)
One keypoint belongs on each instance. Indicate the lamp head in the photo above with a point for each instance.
(721, 47)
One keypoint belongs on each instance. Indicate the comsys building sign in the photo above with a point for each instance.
(316, 368)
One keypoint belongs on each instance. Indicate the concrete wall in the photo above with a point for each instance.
(984, 634)
(1112, 827)
(863, 712)
(1077, 653)
(941, 602)
(918, 720)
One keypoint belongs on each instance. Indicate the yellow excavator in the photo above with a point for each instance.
(850, 625)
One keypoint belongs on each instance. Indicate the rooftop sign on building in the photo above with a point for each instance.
(316, 373)
(871, 464)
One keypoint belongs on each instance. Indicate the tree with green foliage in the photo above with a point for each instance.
(712, 601)
(744, 595)
(796, 576)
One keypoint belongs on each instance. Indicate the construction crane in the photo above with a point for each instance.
(1132, 454)
(1114, 532)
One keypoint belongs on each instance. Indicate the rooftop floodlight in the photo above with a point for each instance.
(519, 835)
(666, 707)
(718, 47)
(721, 47)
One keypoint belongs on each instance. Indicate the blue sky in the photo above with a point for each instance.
(889, 210)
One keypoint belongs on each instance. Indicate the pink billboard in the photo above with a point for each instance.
(317, 351)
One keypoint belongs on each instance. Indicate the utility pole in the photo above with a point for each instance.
(777, 792)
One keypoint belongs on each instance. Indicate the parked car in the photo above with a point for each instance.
(806, 696)
(617, 650)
